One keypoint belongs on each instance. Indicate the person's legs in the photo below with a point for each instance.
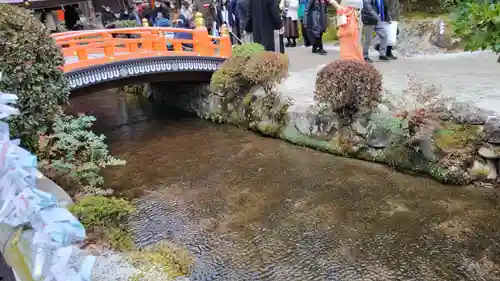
(391, 41)
(381, 32)
(318, 43)
(367, 41)
(307, 42)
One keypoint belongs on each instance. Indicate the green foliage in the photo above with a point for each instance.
(173, 260)
(123, 24)
(105, 219)
(31, 69)
(247, 50)
(229, 79)
(477, 23)
(348, 85)
(266, 68)
(74, 151)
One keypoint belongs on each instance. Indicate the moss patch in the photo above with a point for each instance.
(105, 220)
(456, 136)
(268, 128)
(170, 258)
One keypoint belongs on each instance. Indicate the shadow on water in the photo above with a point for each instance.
(254, 208)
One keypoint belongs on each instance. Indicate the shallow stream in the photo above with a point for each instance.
(255, 208)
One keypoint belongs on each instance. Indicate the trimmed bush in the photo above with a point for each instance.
(31, 69)
(229, 78)
(266, 68)
(247, 50)
(348, 85)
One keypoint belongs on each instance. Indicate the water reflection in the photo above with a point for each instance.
(253, 208)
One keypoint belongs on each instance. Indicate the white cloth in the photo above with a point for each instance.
(392, 32)
(293, 9)
(225, 15)
(50, 21)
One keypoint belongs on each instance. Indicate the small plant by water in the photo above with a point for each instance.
(73, 151)
(105, 220)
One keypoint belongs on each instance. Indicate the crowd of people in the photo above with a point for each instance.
(275, 24)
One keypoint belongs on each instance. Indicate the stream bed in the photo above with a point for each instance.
(255, 208)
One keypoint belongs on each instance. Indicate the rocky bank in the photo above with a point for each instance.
(455, 143)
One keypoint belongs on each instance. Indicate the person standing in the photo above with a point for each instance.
(263, 19)
(71, 16)
(300, 14)
(392, 28)
(348, 33)
(375, 16)
(158, 8)
(107, 16)
(242, 8)
(233, 10)
(315, 15)
(291, 26)
(207, 9)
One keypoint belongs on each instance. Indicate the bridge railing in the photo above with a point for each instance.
(87, 48)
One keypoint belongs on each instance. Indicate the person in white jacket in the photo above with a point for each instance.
(291, 32)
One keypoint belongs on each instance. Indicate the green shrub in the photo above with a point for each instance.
(123, 24)
(75, 152)
(31, 69)
(247, 50)
(105, 219)
(266, 68)
(477, 23)
(228, 79)
(348, 85)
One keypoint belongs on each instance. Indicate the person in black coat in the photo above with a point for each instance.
(264, 17)
(71, 16)
(107, 16)
(315, 15)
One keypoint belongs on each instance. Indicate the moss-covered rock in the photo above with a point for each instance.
(457, 136)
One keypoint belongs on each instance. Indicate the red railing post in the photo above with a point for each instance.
(201, 40)
(226, 47)
(82, 54)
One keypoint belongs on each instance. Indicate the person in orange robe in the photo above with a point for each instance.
(350, 47)
(348, 33)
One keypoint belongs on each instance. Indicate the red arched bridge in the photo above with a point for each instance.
(116, 57)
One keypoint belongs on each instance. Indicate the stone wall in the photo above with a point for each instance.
(459, 144)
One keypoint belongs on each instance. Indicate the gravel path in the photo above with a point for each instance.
(469, 77)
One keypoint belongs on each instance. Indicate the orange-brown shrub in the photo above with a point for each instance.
(348, 85)
(266, 68)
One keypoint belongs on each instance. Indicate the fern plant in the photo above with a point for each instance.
(73, 150)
